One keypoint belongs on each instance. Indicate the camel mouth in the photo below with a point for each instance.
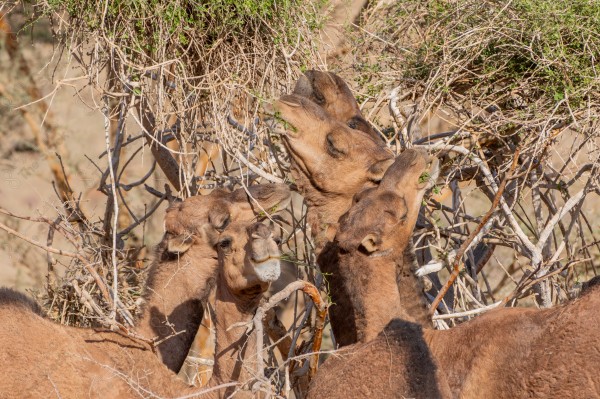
(267, 270)
(280, 127)
(277, 125)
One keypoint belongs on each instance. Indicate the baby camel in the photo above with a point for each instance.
(44, 359)
(361, 280)
(506, 353)
(332, 163)
(179, 281)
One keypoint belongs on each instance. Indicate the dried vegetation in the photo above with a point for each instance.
(515, 87)
(516, 83)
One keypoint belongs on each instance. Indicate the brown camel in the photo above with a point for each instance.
(358, 318)
(44, 359)
(178, 281)
(505, 353)
(237, 297)
(328, 198)
(331, 93)
(330, 162)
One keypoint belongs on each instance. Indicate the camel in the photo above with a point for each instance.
(67, 362)
(328, 198)
(362, 323)
(331, 93)
(330, 162)
(505, 353)
(179, 282)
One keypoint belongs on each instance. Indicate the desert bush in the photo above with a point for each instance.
(517, 81)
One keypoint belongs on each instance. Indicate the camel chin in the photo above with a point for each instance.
(268, 271)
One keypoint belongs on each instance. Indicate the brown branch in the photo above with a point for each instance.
(457, 264)
(162, 155)
(321, 306)
(38, 244)
(44, 144)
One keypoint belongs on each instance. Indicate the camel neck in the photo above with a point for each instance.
(413, 306)
(370, 292)
(177, 285)
(233, 346)
(324, 211)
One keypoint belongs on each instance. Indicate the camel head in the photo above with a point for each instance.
(330, 92)
(248, 258)
(333, 157)
(200, 220)
(381, 220)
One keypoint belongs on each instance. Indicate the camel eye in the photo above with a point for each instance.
(225, 243)
(277, 240)
(318, 97)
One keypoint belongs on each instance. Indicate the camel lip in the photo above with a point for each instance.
(258, 262)
(277, 128)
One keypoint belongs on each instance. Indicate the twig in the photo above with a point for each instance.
(461, 251)
(467, 313)
(115, 202)
(321, 306)
(39, 244)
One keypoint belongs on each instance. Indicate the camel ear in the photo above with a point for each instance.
(179, 244)
(371, 242)
(303, 87)
(209, 234)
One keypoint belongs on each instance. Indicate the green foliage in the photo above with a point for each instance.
(148, 25)
(539, 49)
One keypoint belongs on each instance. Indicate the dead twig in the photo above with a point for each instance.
(456, 267)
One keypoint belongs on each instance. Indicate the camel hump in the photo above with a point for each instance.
(590, 285)
(10, 297)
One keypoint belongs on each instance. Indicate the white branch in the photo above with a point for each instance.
(466, 313)
(115, 204)
(570, 204)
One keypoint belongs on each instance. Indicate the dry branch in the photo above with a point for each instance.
(258, 321)
(461, 251)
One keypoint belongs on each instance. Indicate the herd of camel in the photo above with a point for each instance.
(363, 204)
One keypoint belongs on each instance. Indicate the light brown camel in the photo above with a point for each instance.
(237, 298)
(309, 141)
(330, 162)
(44, 359)
(331, 93)
(361, 318)
(179, 282)
(505, 353)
